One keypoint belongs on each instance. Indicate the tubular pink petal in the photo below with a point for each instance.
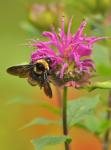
(80, 30)
(69, 31)
(76, 58)
(84, 50)
(57, 41)
(49, 35)
(42, 44)
(98, 39)
(64, 67)
(62, 28)
(62, 33)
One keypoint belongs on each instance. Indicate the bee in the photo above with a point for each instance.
(36, 73)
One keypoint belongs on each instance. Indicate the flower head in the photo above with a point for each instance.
(70, 54)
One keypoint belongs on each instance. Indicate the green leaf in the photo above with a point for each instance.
(92, 123)
(104, 126)
(27, 26)
(24, 101)
(44, 141)
(102, 59)
(80, 108)
(96, 124)
(50, 108)
(99, 85)
(41, 121)
(21, 100)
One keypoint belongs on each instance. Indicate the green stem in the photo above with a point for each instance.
(64, 117)
(107, 134)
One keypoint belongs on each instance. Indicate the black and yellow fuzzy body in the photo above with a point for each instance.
(37, 73)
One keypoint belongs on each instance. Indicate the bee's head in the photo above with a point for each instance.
(41, 66)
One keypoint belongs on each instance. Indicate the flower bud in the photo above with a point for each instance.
(44, 15)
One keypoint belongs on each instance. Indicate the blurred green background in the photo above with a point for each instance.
(13, 51)
(16, 30)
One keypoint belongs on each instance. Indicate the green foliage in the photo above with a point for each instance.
(29, 28)
(103, 127)
(97, 125)
(44, 141)
(23, 101)
(41, 121)
(101, 59)
(50, 108)
(79, 109)
(88, 7)
(92, 123)
(99, 85)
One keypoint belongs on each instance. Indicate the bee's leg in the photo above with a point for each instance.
(31, 81)
(45, 76)
(49, 72)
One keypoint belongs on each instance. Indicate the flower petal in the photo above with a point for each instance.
(80, 30)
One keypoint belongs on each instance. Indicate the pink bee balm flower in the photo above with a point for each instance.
(70, 55)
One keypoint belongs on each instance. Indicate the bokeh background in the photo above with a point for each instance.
(19, 24)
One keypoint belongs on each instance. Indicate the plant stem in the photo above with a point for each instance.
(59, 97)
(107, 134)
(64, 117)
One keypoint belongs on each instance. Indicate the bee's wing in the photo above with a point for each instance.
(22, 70)
(47, 89)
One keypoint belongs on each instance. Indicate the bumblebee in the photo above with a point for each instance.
(36, 73)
